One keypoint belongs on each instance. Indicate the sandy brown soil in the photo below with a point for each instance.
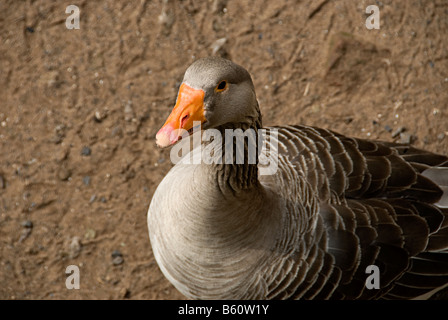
(79, 110)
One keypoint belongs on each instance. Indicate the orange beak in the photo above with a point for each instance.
(189, 108)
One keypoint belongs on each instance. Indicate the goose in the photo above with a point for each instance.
(339, 218)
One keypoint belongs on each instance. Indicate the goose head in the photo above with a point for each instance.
(214, 92)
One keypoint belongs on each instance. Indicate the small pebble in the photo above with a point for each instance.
(128, 107)
(116, 253)
(216, 25)
(90, 234)
(75, 247)
(99, 116)
(348, 120)
(217, 45)
(397, 132)
(218, 6)
(126, 293)
(86, 151)
(25, 234)
(406, 138)
(117, 258)
(86, 180)
(63, 173)
(30, 29)
(27, 224)
(441, 136)
(117, 261)
(117, 131)
(56, 139)
(387, 128)
(92, 198)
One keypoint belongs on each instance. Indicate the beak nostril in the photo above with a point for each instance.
(184, 119)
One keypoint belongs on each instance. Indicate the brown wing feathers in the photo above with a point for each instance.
(385, 216)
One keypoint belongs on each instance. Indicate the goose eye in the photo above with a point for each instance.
(221, 86)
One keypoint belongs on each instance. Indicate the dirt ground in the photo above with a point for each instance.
(79, 110)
